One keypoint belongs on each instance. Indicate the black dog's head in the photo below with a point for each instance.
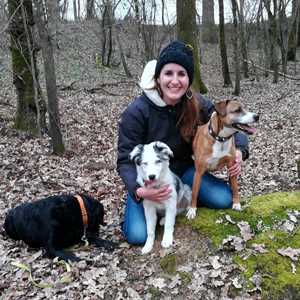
(9, 226)
(95, 211)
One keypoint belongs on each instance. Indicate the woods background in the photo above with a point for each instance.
(67, 71)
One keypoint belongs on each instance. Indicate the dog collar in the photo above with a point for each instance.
(83, 210)
(215, 136)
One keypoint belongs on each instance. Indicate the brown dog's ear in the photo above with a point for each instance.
(220, 107)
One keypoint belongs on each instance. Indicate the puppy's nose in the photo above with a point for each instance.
(151, 177)
(256, 118)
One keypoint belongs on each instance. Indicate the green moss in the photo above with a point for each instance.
(186, 278)
(155, 293)
(169, 263)
(268, 208)
(278, 281)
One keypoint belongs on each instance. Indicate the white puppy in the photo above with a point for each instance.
(152, 164)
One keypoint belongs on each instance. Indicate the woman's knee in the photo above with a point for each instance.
(134, 227)
(136, 235)
(220, 198)
(213, 192)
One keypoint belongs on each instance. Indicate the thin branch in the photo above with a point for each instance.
(271, 71)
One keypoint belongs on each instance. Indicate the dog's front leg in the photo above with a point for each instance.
(60, 253)
(151, 219)
(235, 193)
(200, 169)
(101, 243)
(169, 225)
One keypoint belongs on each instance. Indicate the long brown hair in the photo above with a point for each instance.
(189, 117)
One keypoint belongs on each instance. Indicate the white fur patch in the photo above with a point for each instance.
(152, 164)
(220, 149)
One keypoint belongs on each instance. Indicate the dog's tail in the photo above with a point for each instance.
(185, 199)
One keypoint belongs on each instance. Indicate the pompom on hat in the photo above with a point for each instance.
(179, 53)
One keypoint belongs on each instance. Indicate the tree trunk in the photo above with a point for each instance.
(107, 45)
(237, 88)
(209, 33)
(273, 32)
(148, 30)
(163, 13)
(187, 32)
(90, 9)
(124, 63)
(75, 10)
(292, 43)
(49, 66)
(223, 50)
(242, 31)
(64, 9)
(30, 116)
(283, 38)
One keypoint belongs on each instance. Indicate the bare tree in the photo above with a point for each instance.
(283, 34)
(63, 8)
(148, 29)
(235, 41)
(208, 33)
(44, 27)
(75, 13)
(90, 9)
(30, 114)
(292, 43)
(223, 50)
(243, 42)
(123, 60)
(272, 10)
(106, 27)
(188, 33)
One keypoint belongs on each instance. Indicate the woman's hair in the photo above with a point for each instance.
(189, 117)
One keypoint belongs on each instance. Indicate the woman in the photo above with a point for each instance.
(167, 111)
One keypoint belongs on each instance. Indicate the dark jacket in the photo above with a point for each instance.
(143, 122)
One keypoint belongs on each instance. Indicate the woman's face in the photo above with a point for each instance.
(174, 82)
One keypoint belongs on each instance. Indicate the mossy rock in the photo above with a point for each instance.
(169, 263)
(278, 280)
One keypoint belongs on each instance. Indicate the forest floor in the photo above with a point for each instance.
(91, 100)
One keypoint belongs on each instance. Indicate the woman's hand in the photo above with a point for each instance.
(236, 168)
(154, 194)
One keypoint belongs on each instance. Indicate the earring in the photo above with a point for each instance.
(189, 94)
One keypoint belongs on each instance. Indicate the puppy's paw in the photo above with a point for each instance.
(147, 247)
(191, 213)
(162, 221)
(237, 206)
(167, 241)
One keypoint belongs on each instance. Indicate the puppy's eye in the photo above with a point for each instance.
(144, 163)
(158, 161)
(238, 110)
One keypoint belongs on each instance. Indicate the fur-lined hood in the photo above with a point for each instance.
(148, 84)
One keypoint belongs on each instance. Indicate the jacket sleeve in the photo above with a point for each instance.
(132, 131)
(241, 139)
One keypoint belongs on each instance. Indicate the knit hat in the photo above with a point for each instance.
(179, 53)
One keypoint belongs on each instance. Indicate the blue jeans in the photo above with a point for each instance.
(214, 193)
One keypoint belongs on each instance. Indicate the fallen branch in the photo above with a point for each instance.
(271, 71)
(68, 87)
(116, 83)
(7, 104)
(94, 90)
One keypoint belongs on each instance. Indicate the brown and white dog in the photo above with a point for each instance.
(214, 147)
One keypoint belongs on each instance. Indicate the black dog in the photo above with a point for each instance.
(57, 222)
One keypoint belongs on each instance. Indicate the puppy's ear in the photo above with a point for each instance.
(221, 106)
(163, 148)
(136, 153)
